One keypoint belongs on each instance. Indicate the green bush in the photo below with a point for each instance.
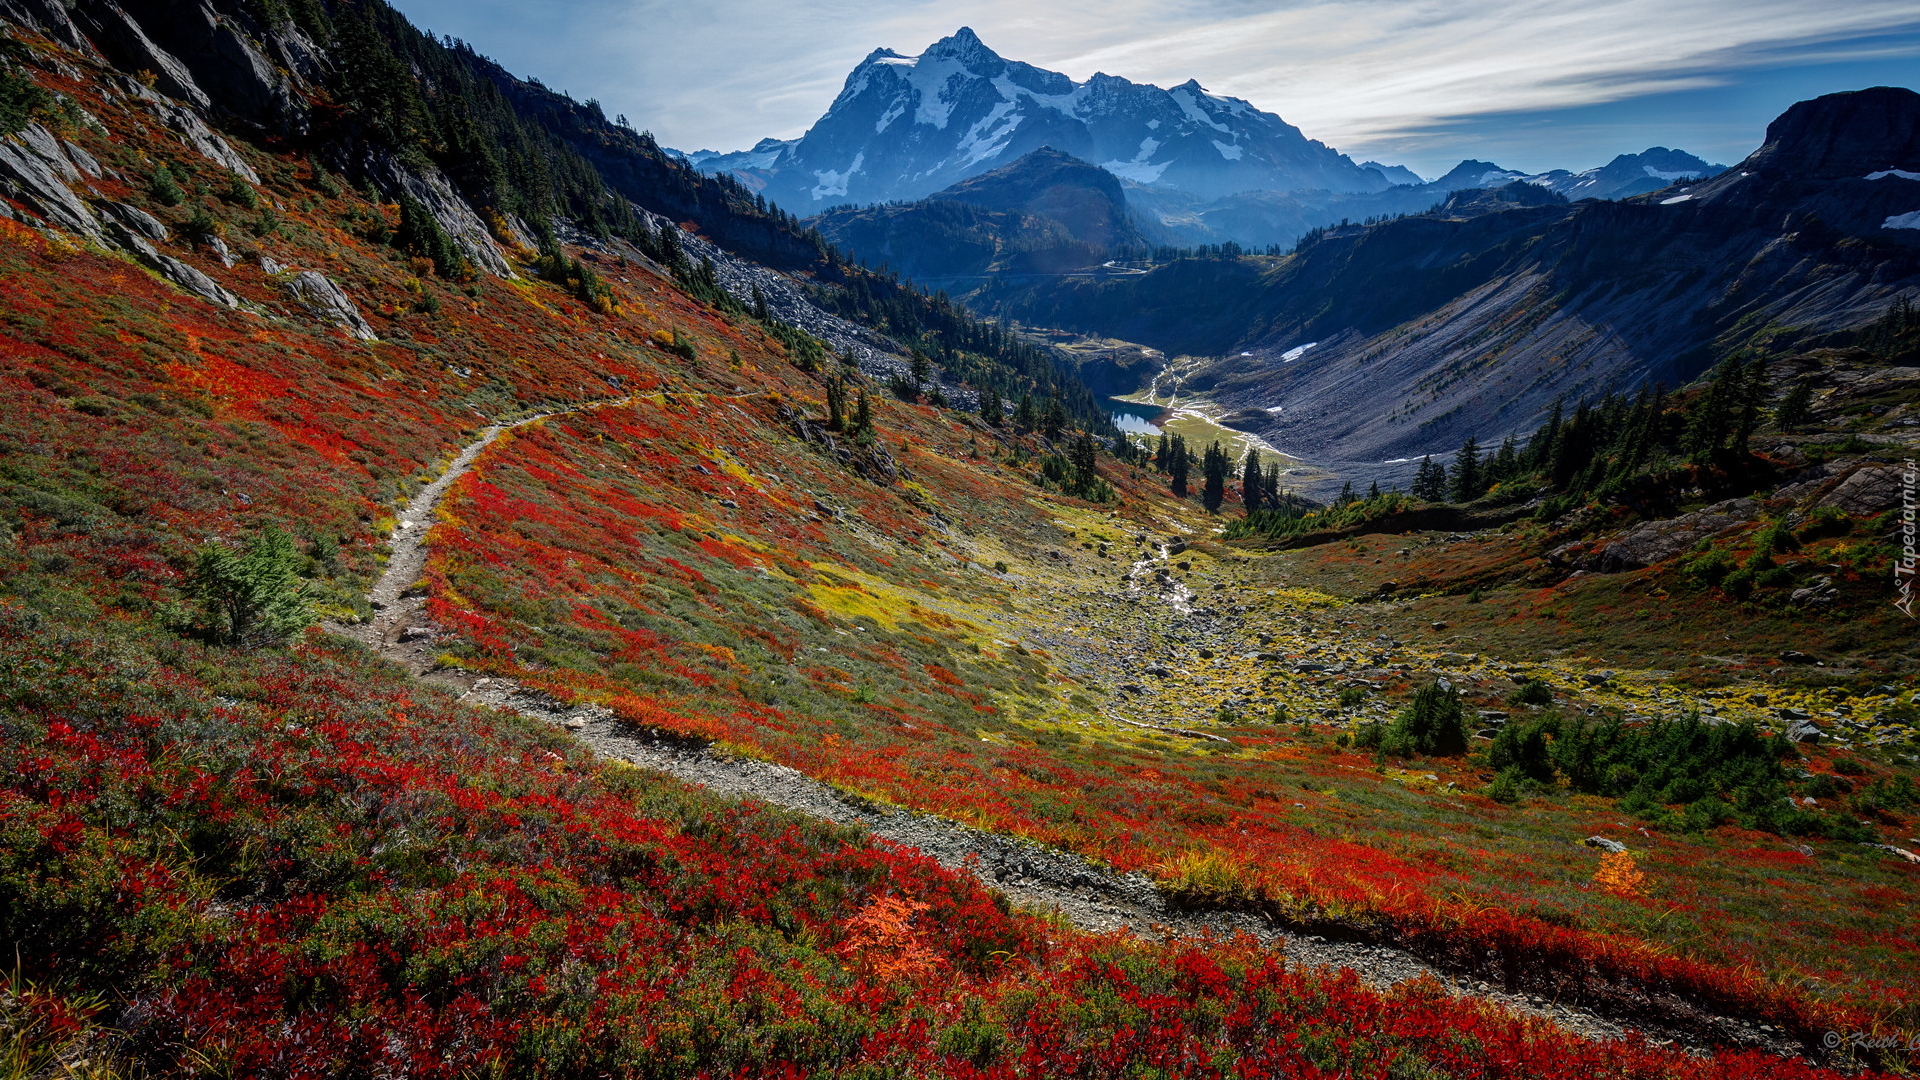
(1524, 747)
(253, 597)
(1532, 692)
(21, 102)
(1433, 724)
(164, 188)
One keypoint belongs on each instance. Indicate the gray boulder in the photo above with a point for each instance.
(325, 300)
(1604, 844)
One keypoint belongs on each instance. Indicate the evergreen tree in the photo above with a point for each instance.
(1711, 414)
(1023, 417)
(836, 404)
(1251, 495)
(1178, 465)
(1163, 454)
(990, 409)
(922, 367)
(1465, 480)
(1540, 447)
(1506, 462)
(1753, 390)
(1346, 496)
(1054, 419)
(1373, 491)
(863, 421)
(1214, 465)
(1082, 456)
(1796, 408)
(1270, 486)
(1434, 723)
(760, 311)
(1430, 481)
(253, 597)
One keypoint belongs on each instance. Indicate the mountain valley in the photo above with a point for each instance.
(482, 596)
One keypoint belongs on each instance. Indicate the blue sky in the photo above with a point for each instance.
(1529, 84)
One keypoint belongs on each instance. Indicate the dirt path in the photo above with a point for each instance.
(1093, 898)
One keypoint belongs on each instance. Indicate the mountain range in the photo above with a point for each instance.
(1198, 168)
(905, 126)
(1473, 317)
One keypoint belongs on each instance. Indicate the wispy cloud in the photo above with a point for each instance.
(1354, 73)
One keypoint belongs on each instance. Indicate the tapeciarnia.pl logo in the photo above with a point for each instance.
(1903, 567)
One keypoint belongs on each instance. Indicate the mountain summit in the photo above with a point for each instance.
(906, 126)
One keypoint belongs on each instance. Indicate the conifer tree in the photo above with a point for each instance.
(1346, 496)
(760, 311)
(1506, 461)
(1465, 480)
(1251, 495)
(1796, 408)
(1178, 465)
(1540, 447)
(1053, 419)
(1214, 465)
(1430, 482)
(1373, 491)
(990, 409)
(253, 597)
(1163, 454)
(863, 420)
(836, 404)
(1082, 456)
(1023, 416)
(1707, 418)
(1753, 388)
(1270, 486)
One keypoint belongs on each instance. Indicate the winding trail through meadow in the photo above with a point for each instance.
(1093, 898)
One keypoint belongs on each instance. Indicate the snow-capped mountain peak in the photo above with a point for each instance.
(905, 126)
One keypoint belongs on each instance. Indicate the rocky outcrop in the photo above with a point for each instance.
(429, 187)
(216, 47)
(49, 17)
(194, 131)
(324, 299)
(1652, 542)
(125, 42)
(1869, 490)
(35, 171)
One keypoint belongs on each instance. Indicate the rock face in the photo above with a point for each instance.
(224, 61)
(1870, 490)
(125, 42)
(1654, 541)
(321, 296)
(431, 189)
(34, 171)
(906, 126)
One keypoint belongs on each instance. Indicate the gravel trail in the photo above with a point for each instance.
(1092, 897)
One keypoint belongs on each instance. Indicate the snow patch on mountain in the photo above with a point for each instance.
(835, 183)
(1904, 221)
